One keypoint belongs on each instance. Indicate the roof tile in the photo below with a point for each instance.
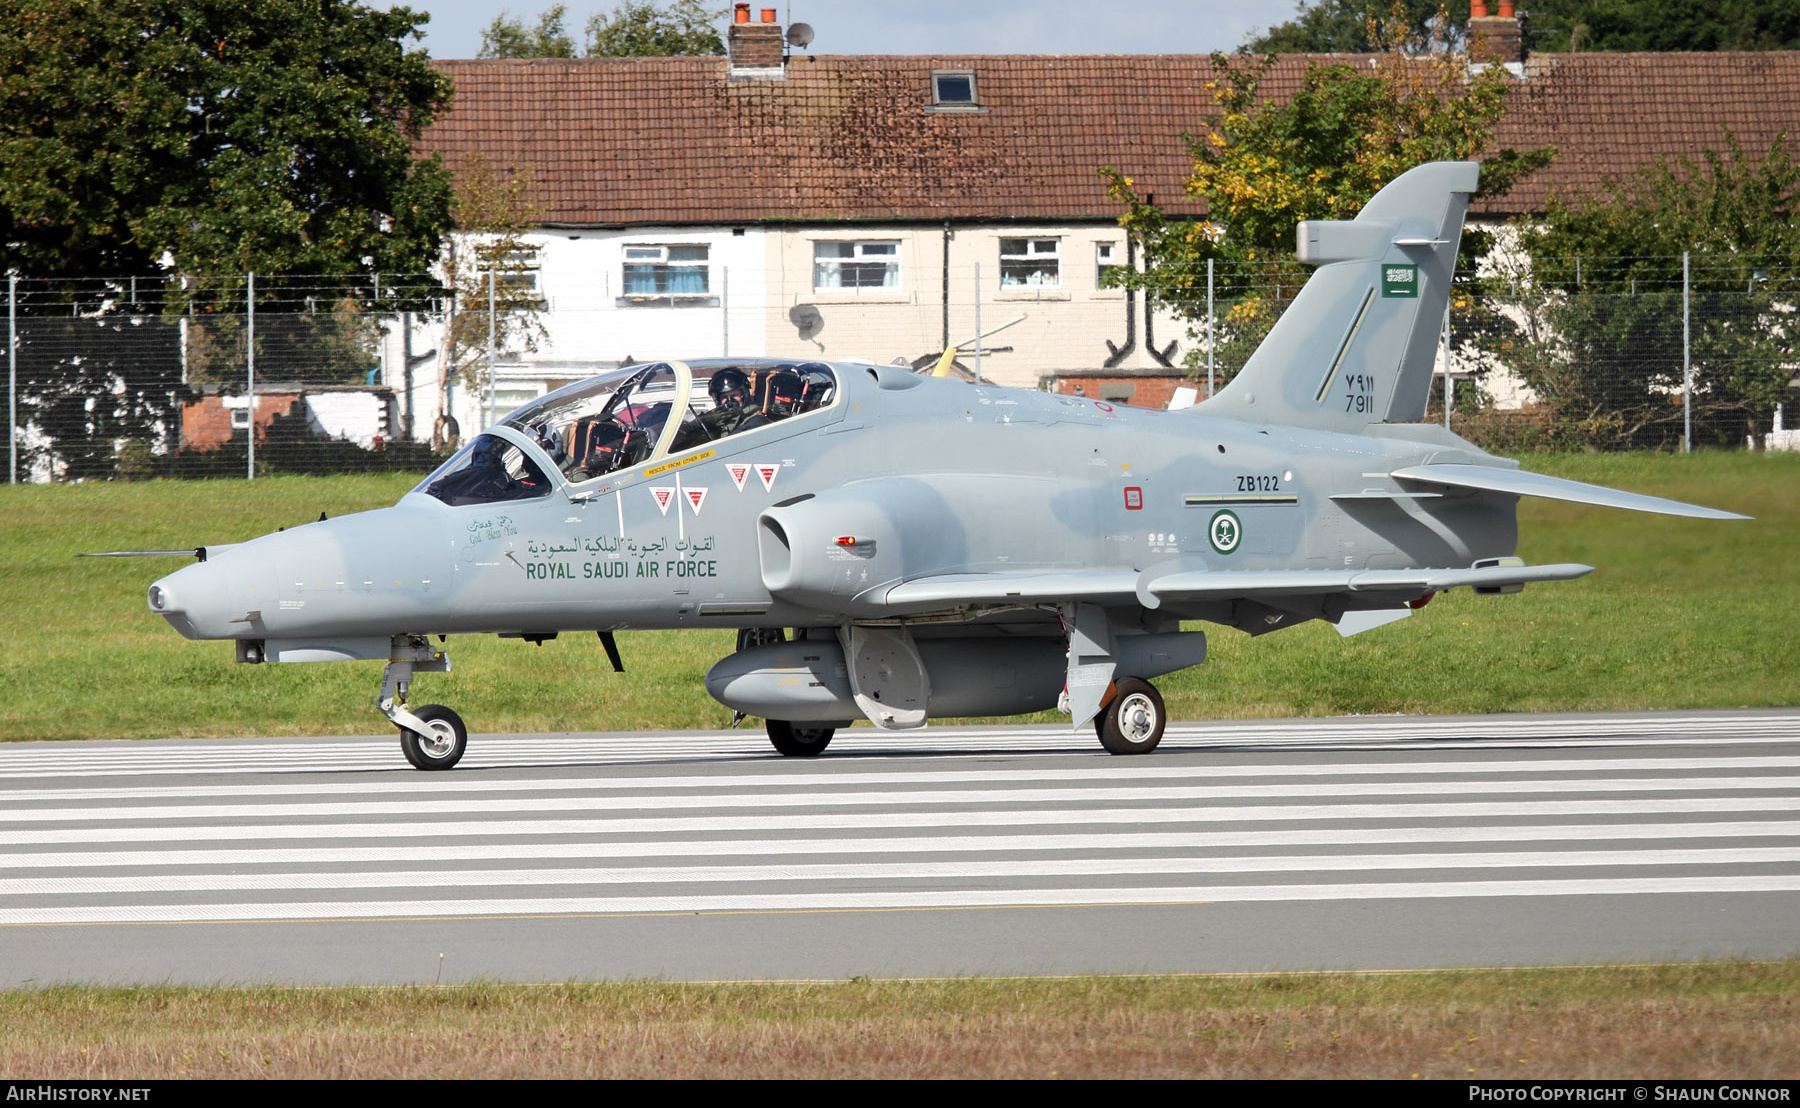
(672, 140)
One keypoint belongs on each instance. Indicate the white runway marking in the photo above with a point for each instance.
(845, 799)
(885, 871)
(851, 901)
(360, 755)
(596, 824)
(1102, 839)
(438, 786)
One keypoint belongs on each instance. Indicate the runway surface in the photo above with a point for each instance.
(1299, 844)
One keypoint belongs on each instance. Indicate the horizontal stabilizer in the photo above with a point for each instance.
(1518, 482)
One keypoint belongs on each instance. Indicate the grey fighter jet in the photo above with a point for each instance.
(899, 548)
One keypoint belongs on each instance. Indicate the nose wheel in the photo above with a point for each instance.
(433, 737)
(1132, 722)
(441, 744)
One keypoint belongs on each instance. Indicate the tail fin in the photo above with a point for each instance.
(1357, 346)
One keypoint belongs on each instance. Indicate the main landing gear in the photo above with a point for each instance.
(433, 737)
(796, 740)
(1132, 721)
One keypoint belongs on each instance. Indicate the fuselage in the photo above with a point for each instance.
(901, 477)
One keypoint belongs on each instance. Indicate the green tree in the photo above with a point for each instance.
(1664, 25)
(508, 37)
(489, 261)
(218, 136)
(1355, 26)
(641, 29)
(1606, 282)
(1262, 165)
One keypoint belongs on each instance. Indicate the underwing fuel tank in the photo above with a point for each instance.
(808, 681)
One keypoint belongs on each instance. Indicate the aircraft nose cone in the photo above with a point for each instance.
(195, 601)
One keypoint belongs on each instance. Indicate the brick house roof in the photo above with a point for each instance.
(615, 141)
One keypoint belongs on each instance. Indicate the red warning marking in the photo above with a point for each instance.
(664, 494)
(696, 497)
(1134, 499)
(739, 472)
(767, 473)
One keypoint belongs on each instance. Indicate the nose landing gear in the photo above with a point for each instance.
(434, 737)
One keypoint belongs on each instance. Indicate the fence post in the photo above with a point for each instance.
(250, 375)
(725, 309)
(1449, 381)
(12, 378)
(487, 417)
(1212, 334)
(978, 323)
(1687, 364)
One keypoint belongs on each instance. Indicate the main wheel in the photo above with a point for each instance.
(1133, 722)
(798, 742)
(444, 742)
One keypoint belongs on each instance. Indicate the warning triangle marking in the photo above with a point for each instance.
(664, 495)
(767, 473)
(739, 471)
(696, 497)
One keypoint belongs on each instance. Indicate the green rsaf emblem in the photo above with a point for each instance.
(1225, 531)
(1400, 280)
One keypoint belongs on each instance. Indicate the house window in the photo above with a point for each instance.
(679, 270)
(1029, 263)
(517, 272)
(953, 87)
(856, 265)
(1106, 256)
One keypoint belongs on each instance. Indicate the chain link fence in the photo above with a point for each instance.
(247, 375)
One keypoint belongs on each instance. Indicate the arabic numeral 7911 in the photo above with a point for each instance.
(1360, 393)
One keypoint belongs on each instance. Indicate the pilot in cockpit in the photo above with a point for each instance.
(730, 391)
(781, 398)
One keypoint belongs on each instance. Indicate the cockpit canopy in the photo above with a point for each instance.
(629, 417)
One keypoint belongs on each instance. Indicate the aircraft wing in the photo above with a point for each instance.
(1205, 584)
(1155, 586)
(1520, 483)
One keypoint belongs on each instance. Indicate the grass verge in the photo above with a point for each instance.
(1682, 614)
(1704, 1021)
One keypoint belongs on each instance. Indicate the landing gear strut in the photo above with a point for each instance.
(434, 737)
(1132, 721)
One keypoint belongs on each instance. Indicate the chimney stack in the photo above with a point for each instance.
(754, 45)
(1494, 38)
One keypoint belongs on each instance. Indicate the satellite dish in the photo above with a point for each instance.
(806, 319)
(799, 34)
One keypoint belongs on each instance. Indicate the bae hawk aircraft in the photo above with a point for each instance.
(900, 548)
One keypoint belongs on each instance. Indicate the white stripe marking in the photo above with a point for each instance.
(962, 869)
(785, 779)
(849, 798)
(852, 901)
(457, 830)
(606, 847)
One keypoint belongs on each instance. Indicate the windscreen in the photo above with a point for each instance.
(488, 470)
